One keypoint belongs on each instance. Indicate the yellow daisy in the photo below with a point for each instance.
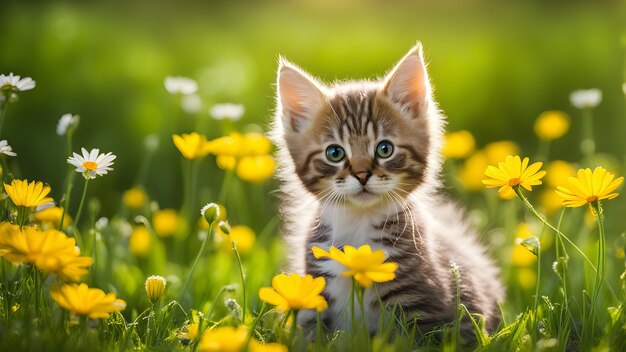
(365, 265)
(589, 187)
(295, 292)
(81, 300)
(27, 194)
(513, 172)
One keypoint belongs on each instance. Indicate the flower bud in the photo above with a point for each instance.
(211, 212)
(224, 227)
(155, 287)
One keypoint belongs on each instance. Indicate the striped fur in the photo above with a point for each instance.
(398, 209)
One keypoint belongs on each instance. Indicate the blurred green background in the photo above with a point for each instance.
(495, 66)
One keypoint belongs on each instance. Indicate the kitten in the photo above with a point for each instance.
(360, 164)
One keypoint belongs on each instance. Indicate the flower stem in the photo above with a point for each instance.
(5, 106)
(294, 327)
(79, 212)
(536, 305)
(66, 199)
(530, 207)
(587, 145)
(195, 263)
(597, 209)
(243, 281)
(225, 186)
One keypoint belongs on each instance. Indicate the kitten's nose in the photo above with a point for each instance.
(363, 176)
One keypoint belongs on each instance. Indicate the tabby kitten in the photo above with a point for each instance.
(360, 164)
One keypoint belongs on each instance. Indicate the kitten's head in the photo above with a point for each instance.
(364, 142)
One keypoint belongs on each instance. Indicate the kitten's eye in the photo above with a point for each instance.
(335, 153)
(384, 149)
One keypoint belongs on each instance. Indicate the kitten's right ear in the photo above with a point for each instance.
(300, 97)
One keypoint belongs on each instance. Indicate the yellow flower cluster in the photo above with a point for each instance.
(248, 155)
(588, 187)
(51, 251)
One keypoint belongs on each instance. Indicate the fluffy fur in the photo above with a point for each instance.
(392, 203)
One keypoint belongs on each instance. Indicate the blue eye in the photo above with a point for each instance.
(384, 149)
(335, 153)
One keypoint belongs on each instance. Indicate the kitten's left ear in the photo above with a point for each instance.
(408, 84)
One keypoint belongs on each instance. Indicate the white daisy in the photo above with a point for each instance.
(180, 85)
(14, 83)
(586, 98)
(66, 122)
(227, 111)
(6, 149)
(91, 164)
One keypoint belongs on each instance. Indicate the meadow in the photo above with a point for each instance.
(139, 208)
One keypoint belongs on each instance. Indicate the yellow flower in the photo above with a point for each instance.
(551, 125)
(558, 171)
(139, 241)
(166, 222)
(458, 145)
(256, 346)
(226, 162)
(155, 287)
(192, 145)
(242, 235)
(50, 218)
(550, 202)
(364, 265)
(27, 194)
(134, 198)
(589, 187)
(256, 168)
(190, 330)
(51, 251)
(227, 145)
(473, 170)
(526, 277)
(224, 339)
(513, 172)
(254, 144)
(81, 300)
(497, 151)
(521, 256)
(295, 292)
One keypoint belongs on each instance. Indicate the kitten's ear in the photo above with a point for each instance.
(300, 97)
(408, 84)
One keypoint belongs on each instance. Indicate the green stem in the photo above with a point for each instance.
(68, 192)
(536, 305)
(195, 263)
(530, 207)
(587, 145)
(5, 107)
(294, 327)
(225, 186)
(243, 281)
(597, 208)
(79, 212)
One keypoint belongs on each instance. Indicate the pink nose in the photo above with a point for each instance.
(363, 176)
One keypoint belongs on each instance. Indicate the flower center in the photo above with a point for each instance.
(514, 182)
(592, 199)
(90, 165)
